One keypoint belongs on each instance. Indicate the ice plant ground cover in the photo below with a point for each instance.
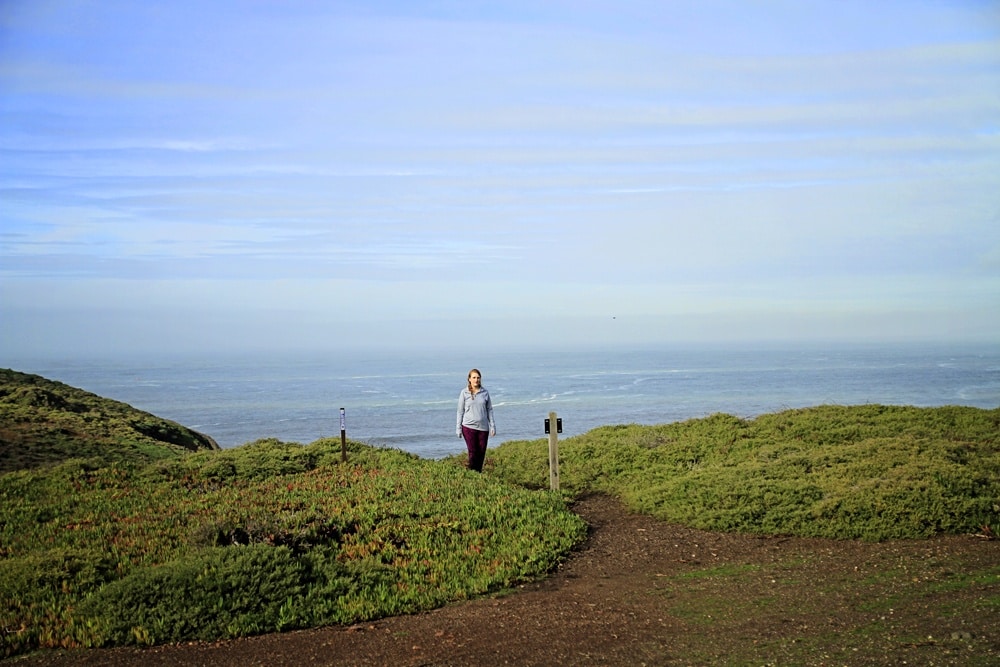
(868, 472)
(273, 536)
(266, 537)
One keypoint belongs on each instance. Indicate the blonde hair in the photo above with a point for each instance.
(468, 378)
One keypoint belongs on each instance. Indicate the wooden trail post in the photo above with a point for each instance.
(553, 426)
(343, 437)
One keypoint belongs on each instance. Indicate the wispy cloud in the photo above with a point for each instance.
(606, 154)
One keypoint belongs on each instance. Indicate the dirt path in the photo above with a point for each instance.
(641, 592)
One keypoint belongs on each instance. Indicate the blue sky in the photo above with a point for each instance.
(241, 175)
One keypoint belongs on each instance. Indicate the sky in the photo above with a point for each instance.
(250, 175)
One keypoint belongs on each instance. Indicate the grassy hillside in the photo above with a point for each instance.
(872, 472)
(121, 528)
(44, 422)
(266, 537)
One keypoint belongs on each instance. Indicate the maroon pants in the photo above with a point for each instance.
(475, 442)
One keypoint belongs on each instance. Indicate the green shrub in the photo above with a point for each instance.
(262, 538)
(217, 593)
(871, 472)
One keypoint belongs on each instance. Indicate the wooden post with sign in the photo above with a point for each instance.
(343, 437)
(552, 424)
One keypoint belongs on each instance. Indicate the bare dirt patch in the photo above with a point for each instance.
(641, 592)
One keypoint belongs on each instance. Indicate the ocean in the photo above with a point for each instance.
(408, 400)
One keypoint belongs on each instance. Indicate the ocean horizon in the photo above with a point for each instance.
(407, 399)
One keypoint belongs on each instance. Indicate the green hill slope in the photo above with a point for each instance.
(874, 472)
(44, 422)
(275, 536)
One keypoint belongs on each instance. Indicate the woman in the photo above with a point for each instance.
(475, 419)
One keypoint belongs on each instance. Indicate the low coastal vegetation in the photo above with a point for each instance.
(871, 472)
(266, 537)
(126, 541)
(44, 422)
(120, 528)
